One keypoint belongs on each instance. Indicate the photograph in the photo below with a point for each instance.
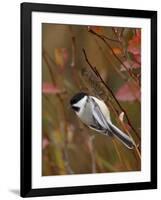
(91, 99)
(88, 99)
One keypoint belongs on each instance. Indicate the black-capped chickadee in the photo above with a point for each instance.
(94, 113)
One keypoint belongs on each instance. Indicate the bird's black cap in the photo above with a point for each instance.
(77, 97)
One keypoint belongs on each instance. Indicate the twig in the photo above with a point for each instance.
(97, 73)
(88, 139)
(114, 31)
(49, 68)
(119, 38)
(132, 87)
(108, 60)
(50, 105)
(46, 57)
(121, 33)
(106, 37)
(125, 129)
(91, 138)
(107, 44)
(110, 39)
(108, 88)
(118, 152)
(73, 62)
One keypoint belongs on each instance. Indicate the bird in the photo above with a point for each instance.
(94, 113)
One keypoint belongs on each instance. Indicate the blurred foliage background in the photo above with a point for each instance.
(105, 62)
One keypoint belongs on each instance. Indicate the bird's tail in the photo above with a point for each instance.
(125, 139)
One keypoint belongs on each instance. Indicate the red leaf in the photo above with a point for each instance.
(45, 143)
(128, 92)
(137, 58)
(49, 88)
(133, 49)
(134, 46)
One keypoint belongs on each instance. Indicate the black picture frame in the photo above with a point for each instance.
(26, 103)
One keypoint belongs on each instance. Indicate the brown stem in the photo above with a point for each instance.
(92, 152)
(118, 152)
(110, 39)
(108, 88)
(46, 57)
(108, 60)
(122, 46)
(124, 127)
(107, 44)
(106, 37)
(121, 33)
(97, 73)
(49, 68)
(73, 62)
(114, 32)
(133, 87)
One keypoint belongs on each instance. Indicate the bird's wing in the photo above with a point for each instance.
(98, 117)
(96, 126)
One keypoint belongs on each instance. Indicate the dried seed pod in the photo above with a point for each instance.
(94, 84)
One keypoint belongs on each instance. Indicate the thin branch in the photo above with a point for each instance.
(119, 37)
(73, 62)
(118, 152)
(110, 39)
(121, 33)
(114, 32)
(107, 44)
(133, 87)
(92, 152)
(111, 92)
(49, 66)
(109, 60)
(125, 129)
(106, 37)
(97, 73)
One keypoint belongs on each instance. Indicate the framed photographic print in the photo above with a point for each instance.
(88, 99)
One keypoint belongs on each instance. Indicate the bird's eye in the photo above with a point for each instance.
(75, 108)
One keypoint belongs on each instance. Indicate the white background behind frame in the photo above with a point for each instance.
(39, 181)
